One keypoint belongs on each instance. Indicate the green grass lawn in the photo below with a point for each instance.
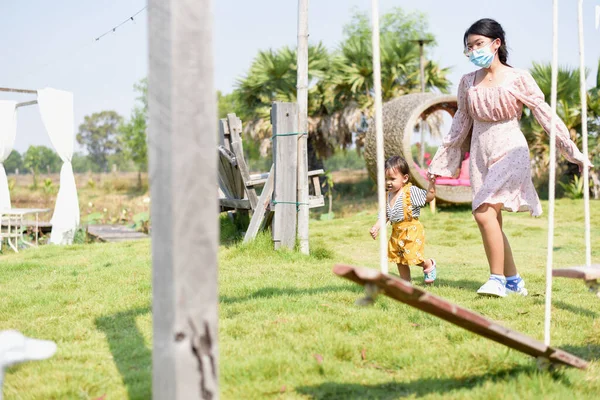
(289, 328)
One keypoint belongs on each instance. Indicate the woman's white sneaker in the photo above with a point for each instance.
(493, 288)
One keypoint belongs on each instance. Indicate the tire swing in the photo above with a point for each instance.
(400, 116)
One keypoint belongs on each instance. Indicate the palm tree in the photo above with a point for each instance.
(340, 83)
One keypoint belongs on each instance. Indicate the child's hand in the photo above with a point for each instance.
(374, 231)
(431, 178)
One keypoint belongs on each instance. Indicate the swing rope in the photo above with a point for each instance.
(383, 261)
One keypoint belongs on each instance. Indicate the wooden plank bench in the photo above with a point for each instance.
(376, 282)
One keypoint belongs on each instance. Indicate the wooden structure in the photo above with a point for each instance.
(114, 233)
(590, 276)
(16, 226)
(238, 188)
(376, 282)
(183, 171)
(400, 116)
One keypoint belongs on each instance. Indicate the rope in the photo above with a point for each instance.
(379, 138)
(552, 178)
(299, 134)
(298, 204)
(584, 138)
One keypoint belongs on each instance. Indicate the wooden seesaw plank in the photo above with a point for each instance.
(590, 275)
(406, 293)
(586, 273)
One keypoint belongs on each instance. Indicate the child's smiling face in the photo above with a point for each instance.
(395, 180)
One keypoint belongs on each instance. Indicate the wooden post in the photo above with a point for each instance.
(183, 177)
(302, 98)
(284, 117)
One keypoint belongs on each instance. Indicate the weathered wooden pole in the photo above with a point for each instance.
(302, 98)
(183, 163)
(284, 117)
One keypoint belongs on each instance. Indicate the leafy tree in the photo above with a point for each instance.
(99, 134)
(133, 133)
(41, 158)
(14, 162)
(227, 103)
(83, 163)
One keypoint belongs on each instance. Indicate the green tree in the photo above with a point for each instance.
(40, 159)
(132, 134)
(99, 134)
(14, 162)
(227, 103)
(82, 163)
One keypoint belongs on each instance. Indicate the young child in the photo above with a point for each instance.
(404, 201)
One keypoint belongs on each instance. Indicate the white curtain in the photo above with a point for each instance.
(8, 131)
(56, 108)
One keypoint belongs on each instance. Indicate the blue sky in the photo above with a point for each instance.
(51, 43)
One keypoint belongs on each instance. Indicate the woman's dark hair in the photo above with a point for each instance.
(397, 163)
(489, 28)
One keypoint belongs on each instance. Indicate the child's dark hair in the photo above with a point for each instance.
(489, 28)
(397, 163)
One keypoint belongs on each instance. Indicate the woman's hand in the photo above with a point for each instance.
(588, 164)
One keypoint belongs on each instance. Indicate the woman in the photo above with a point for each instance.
(490, 102)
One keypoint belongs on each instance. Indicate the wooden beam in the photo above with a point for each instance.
(2, 89)
(584, 272)
(243, 204)
(263, 207)
(406, 293)
(183, 179)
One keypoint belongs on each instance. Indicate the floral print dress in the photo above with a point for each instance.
(499, 167)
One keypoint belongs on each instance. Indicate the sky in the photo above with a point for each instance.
(51, 43)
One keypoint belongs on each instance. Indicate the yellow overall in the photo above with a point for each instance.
(407, 242)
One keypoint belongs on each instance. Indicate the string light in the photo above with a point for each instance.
(121, 24)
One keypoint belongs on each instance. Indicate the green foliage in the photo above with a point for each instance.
(41, 159)
(49, 187)
(14, 162)
(83, 163)
(94, 218)
(227, 103)
(340, 81)
(99, 135)
(573, 189)
(141, 222)
(343, 159)
(133, 132)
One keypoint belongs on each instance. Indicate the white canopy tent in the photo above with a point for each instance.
(56, 109)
